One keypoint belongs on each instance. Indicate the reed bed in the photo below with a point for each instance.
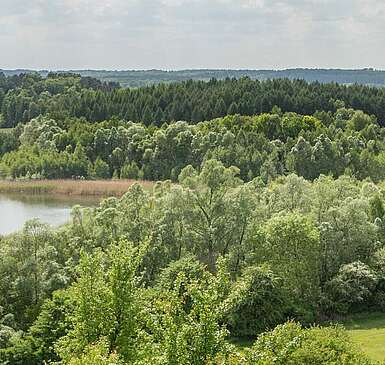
(101, 188)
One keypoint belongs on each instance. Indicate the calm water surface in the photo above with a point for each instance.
(16, 209)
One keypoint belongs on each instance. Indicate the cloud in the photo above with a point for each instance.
(122, 34)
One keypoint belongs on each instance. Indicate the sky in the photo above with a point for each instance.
(184, 34)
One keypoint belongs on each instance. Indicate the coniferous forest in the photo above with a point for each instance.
(265, 224)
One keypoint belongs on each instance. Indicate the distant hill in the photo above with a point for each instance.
(139, 78)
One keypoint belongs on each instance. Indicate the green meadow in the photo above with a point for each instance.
(369, 334)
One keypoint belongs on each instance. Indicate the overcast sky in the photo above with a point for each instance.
(178, 34)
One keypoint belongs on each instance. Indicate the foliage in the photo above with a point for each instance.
(265, 146)
(101, 170)
(166, 276)
(191, 268)
(105, 303)
(66, 126)
(189, 329)
(256, 302)
(290, 344)
(26, 96)
(292, 247)
(96, 354)
(352, 286)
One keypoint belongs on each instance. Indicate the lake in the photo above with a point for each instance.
(16, 209)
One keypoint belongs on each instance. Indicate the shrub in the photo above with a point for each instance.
(256, 302)
(351, 287)
(290, 344)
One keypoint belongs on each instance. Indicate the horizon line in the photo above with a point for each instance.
(193, 69)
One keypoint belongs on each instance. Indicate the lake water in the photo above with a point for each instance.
(16, 209)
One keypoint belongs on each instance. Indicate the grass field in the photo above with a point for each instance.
(102, 188)
(369, 334)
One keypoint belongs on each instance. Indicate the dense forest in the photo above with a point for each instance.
(266, 146)
(169, 276)
(266, 225)
(135, 78)
(27, 96)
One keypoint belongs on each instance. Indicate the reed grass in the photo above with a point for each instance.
(101, 188)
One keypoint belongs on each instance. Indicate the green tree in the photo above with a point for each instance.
(106, 299)
(256, 302)
(100, 170)
(292, 246)
(207, 206)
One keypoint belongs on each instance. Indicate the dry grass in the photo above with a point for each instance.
(101, 188)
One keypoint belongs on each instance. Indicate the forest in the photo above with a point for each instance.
(139, 78)
(170, 276)
(265, 224)
(267, 146)
(24, 97)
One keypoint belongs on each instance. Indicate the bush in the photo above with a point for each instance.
(350, 289)
(256, 302)
(290, 344)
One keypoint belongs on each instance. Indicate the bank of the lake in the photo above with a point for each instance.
(97, 188)
(51, 201)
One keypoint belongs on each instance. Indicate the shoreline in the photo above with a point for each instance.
(96, 188)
